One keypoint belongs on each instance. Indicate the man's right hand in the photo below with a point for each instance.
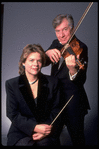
(54, 55)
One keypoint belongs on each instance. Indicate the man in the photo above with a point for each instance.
(72, 78)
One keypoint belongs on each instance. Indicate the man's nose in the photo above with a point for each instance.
(61, 34)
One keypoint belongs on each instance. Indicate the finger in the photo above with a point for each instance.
(50, 54)
(49, 126)
(35, 137)
(48, 132)
(70, 60)
(78, 56)
(36, 134)
(73, 57)
(39, 137)
(52, 59)
(55, 58)
(58, 53)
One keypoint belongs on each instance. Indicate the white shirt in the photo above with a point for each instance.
(73, 76)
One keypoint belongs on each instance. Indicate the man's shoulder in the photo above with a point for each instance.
(56, 44)
(82, 45)
(55, 41)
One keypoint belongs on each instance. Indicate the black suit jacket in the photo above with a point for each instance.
(63, 73)
(22, 110)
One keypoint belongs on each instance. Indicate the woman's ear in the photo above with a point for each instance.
(23, 65)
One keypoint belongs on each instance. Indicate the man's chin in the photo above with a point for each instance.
(63, 43)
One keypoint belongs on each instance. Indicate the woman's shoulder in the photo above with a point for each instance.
(13, 80)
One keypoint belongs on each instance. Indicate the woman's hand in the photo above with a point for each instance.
(38, 136)
(43, 129)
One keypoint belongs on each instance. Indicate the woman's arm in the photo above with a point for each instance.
(23, 123)
(42, 130)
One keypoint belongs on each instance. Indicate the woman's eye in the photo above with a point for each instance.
(31, 60)
(40, 61)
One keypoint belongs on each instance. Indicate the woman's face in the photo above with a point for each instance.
(33, 64)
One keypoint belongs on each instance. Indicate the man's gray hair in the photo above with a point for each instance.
(59, 18)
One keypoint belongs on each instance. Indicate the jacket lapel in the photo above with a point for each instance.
(56, 71)
(43, 90)
(25, 89)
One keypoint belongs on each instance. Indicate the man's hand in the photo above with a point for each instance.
(54, 55)
(71, 64)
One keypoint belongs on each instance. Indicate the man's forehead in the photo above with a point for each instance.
(63, 24)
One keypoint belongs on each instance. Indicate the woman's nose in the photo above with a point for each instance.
(35, 62)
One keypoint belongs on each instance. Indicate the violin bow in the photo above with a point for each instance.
(78, 24)
(61, 110)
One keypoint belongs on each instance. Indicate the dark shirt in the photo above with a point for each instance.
(63, 72)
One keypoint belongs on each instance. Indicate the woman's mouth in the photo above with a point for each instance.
(35, 69)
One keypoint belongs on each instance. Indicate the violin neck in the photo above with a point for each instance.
(81, 66)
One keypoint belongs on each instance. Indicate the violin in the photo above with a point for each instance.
(73, 46)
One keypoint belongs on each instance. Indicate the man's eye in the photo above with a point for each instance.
(66, 29)
(57, 31)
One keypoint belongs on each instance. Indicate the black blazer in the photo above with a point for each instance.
(22, 110)
(63, 73)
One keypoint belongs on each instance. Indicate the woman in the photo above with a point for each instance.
(32, 102)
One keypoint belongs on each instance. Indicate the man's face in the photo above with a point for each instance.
(63, 32)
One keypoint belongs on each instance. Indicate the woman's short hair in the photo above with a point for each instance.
(59, 18)
(28, 49)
